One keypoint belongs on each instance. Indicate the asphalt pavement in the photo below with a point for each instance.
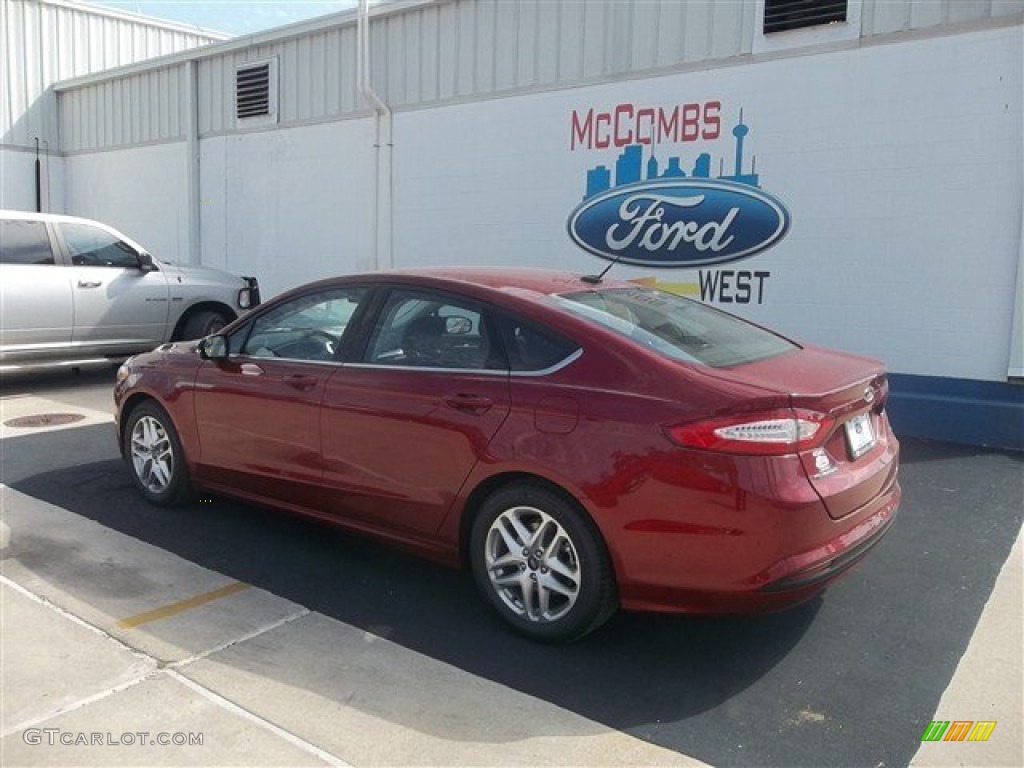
(284, 642)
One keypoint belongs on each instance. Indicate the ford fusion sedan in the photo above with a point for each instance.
(579, 445)
(74, 289)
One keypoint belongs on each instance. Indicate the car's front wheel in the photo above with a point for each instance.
(155, 457)
(542, 563)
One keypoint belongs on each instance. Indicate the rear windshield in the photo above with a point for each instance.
(678, 328)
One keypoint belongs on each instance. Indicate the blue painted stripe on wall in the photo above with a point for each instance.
(957, 410)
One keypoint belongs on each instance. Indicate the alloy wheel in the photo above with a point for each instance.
(152, 454)
(532, 564)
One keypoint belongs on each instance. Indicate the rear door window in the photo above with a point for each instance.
(24, 242)
(422, 329)
(676, 327)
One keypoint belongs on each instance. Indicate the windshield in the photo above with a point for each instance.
(676, 327)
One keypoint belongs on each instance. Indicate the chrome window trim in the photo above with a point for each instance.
(563, 363)
(428, 369)
(569, 360)
(275, 359)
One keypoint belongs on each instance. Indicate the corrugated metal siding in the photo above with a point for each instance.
(462, 49)
(316, 79)
(43, 42)
(480, 47)
(474, 48)
(880, 17)
(140, 108)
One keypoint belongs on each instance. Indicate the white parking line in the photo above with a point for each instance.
(149, 664)
(230, 706)
(152, 671)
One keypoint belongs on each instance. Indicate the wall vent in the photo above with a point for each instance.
(783, 15)
(253, 91)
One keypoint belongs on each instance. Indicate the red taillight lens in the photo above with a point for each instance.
(771, 433)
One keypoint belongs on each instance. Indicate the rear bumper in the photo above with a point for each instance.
(826, 563)
(767, 558)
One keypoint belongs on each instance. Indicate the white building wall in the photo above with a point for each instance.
(140, 191)
(290, 206)
(304, 216)
(17, 179)
(901, 166)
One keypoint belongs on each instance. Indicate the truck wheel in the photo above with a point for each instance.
(201, 324)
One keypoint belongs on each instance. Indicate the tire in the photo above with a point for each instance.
(155, 458)
(202, 323)
(541, 563)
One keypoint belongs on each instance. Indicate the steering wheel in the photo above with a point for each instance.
(328, 339)
(314, 345)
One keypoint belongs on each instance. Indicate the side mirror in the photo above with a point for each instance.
(214, 347)
(146, 262)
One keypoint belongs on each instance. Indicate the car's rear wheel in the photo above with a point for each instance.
(204, 322)
(542, 563)
(155, 457)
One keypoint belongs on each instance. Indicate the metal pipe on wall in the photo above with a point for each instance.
(39, 180)
(1015, 370)
(381, 236)
(193, 210)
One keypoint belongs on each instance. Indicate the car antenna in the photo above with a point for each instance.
(595, 279)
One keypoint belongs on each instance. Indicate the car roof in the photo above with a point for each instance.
(507, 279)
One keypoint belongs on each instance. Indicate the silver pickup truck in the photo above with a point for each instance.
(74, 289)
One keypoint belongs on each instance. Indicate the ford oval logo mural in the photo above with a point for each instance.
(689, 222)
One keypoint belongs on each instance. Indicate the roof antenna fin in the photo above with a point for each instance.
(595, 279)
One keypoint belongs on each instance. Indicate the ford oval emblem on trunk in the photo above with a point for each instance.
(679, 223)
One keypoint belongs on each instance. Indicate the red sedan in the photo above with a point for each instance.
(581, 445)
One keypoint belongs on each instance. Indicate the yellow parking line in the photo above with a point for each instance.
(181, 606)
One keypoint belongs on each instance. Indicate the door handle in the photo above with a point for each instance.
(301, 382)
(250, 369)
(469, 403)
(90, 283)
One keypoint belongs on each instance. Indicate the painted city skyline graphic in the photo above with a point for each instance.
(630, 167)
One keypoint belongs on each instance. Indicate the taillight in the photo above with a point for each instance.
(771, 433)
(883, 395)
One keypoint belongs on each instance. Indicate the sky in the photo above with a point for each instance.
(233, 17)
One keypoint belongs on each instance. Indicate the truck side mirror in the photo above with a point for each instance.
(146, 263)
